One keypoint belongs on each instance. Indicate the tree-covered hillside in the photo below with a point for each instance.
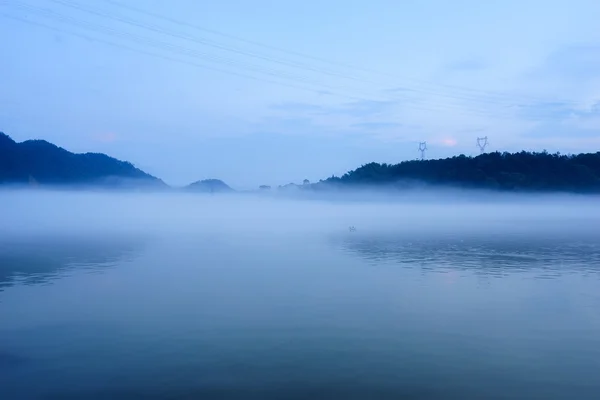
(523, 171)
(209, 186)
(41, 162)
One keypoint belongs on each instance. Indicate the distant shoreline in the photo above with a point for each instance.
(40, 164)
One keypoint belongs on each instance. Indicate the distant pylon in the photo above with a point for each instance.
(422, 149)
(482, 143)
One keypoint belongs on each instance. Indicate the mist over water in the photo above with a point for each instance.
(437, 294)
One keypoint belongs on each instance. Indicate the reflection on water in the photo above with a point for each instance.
(483, 254)
(220, 315)
(39, 259)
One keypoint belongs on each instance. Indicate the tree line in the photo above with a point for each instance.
(522, 171)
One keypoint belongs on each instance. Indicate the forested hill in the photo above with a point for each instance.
(40, 162)
(209, 186)
(523, 171)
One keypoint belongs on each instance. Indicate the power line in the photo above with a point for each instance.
(154, 28)
(215, 32)
(220, 60)
(191, 38)
(129, 48)
(179, 49)
(304, 55)
(119, 45)
(168, 46)
(162, 45)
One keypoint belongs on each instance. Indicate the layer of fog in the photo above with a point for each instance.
(38, 212)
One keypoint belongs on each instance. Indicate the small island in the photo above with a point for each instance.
(209, 186)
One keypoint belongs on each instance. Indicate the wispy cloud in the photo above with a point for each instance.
(574, 124)
(466, 65)
(544, 111)
(399, 89)
(377, 125)
(364, 108)
(470, 131)
(296, 107)
(560, 98)
(359, 108)
(569, 73)
(579, 62)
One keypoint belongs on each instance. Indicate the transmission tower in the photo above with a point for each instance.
(422, 149)
(482, 143)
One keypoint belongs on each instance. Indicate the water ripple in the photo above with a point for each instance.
(494, 255)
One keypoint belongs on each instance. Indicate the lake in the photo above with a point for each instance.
(125, 296)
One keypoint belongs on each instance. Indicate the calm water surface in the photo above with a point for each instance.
(509, 309)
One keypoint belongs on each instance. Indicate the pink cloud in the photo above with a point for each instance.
(107, 137)
(450, 142)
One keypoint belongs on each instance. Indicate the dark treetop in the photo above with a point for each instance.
(524, 171)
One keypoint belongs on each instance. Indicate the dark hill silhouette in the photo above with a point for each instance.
(209, 186)
(41, 162)
(523, 171)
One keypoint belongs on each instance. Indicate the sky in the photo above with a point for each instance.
(272, 92)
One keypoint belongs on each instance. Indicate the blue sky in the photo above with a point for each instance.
(206, 92)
